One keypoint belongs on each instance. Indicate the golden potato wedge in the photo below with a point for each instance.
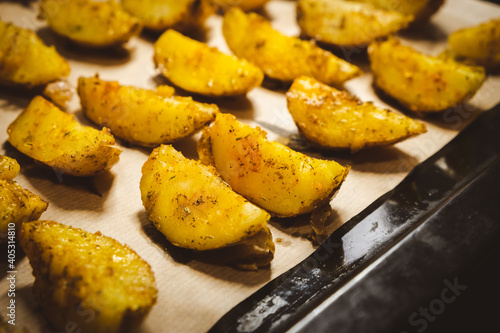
(90, 23)
(421, 10)
(245, 5)
(9, 168)
(250, 36)
(160, 15)
(480, 43)
(193, 207)
(17, 205)
(345, 23)
(88, 279)
(198, 68)
(55, 138)
(420, 82)
(59, 92)
(142, 116)
(335, 119)
(269, 174)
(25, 60)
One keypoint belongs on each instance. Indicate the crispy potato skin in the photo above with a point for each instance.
(26, 61)
(480, 43)
(250, 36)
(90, 23)
(142, 116)
(269, 174)
(422, 83)
(192, 206)
(198, 68)
(160, 15)
(346, 23)
(55, 138)
(9, 168)
(421, 10)
(86, 278)
(17, 205)
(335, 119)
(245, 5)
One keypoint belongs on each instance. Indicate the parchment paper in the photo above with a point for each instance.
(194, 294)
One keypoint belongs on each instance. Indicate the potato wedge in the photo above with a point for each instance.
(269, 174)
(250, 36)
(421, 10)
(9, 168)
(193, 207)
(198, 68)
(55, 138)
(480, 43)
(245, 5)
(335, 119)
(142, 116)
(90, 23)
(26, 61)
(17, 205)
(345, 23)
(91, 280)
(420, 82)
(160, 15)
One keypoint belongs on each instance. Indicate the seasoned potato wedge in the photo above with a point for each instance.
(91, 23)
(250, 36)
(420, 82)
(88, 279)
(55, 138)
(335, 119)
(160, 15)
(480, 43)
(26, 61)
(198, 68)
(17, 205)
(245, 5)
(9, 168)
(421, 10)
(269, 174)
(193, 207)
(345, 23)
(142, 116)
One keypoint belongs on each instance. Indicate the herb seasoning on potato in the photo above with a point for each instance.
(142, 116)
(334, 119)
(47, 134)
(26, 61)
(251, 37)
(267, 173)
(420, 82)
(89, 279)
(197, 210)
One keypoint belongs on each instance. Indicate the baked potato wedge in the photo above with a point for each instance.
(90, 23)
(421, 10)
(26, 61)
(56, 139)
(267, 173)
(9, 168)
(420, 82)
(17, 205)
(142, 116)
(345, 23)
(480, 44)
(245, 5)
(88, 279)
(250, 36)
(198, 68)
(194, 208)
(335, 119)
(160, 15)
